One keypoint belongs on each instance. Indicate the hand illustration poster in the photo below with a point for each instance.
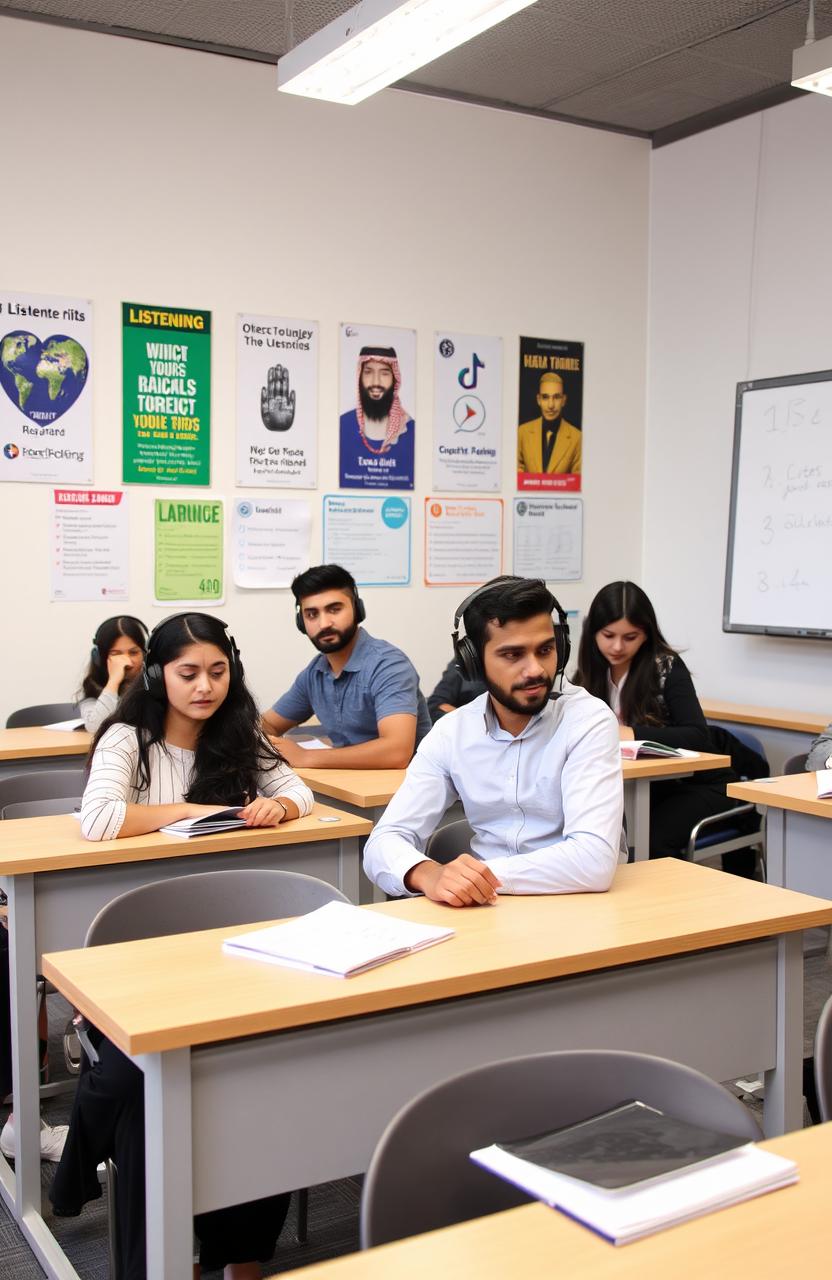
(377, 426)
(468, 402)
(270, 541)
(550, 415)
(45, 391)
(188, 551)
(88, 556)
(166, 396)
(277, 402)
(548, 538)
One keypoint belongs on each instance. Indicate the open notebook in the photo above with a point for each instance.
(207, 824)
(639, 748)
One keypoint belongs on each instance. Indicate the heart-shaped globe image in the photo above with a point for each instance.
(42, 378)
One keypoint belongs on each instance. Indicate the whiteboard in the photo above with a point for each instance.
(778, 577)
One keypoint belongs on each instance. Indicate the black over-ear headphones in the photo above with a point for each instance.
(95, 652)
(357, 603)
(153, 678)
(465, 651)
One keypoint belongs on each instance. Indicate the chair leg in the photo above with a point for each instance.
(112, 1220)
(302, 1232)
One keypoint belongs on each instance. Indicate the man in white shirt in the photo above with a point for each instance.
(538, 774)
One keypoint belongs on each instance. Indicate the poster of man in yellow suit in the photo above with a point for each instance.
(549, 447)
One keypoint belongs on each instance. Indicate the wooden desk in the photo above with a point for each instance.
(57, 882)
(23, 749)
(297, 1074)
(638, 774)
(798, 837)
(786, 1233)
(765, 717)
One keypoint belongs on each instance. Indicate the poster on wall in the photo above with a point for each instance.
(377, 426)
(550, 415)
(89, 552)
(467, 417)
(370, 536)
(166, 395)
(45, 388)
(548, 538)
(463, 540)
(188, 542)
(277, 402)
(270, 541)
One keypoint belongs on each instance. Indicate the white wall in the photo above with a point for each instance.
(741, 281)
(153, 173)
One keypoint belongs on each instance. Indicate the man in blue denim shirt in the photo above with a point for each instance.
(365, 692)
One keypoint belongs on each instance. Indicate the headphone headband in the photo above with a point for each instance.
(468, 659)
(152, 675)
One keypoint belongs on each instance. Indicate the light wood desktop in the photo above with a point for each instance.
(765, 717)
(786, 1233)
(798, 837)
(57, 881)
(298, 1073)
(37, 748)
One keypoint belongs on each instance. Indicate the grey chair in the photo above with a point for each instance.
(43, 713)
(42, 784)
(420, 1177)
(41, 808)
(796, 763)
(823, 1061)
(450, 841)
(207, 900)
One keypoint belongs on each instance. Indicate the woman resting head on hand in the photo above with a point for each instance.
(186, 740)
(116, 657)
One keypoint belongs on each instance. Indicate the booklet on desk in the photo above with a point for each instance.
(336, 939)
(207, 824)
(632, 1171)
(639, 748)
(824, 781)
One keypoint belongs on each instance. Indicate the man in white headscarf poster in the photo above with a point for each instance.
(377, 428)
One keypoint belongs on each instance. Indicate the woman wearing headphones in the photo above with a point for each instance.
(185, 740)
(116, 657)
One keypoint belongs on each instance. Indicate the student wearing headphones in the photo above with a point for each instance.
(365, 692)
(538, 773)
(116, 657)
(186, 739)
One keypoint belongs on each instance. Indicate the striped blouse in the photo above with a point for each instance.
(113, 779)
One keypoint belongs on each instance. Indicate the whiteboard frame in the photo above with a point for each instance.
(760, 384)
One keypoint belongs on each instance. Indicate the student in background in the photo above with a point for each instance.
(116, 657)
(820, 752)
(625, 659)
(186, 740)
(365, 692)
(453, 690)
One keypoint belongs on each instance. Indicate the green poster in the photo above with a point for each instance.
(189, 545)
(166, 381)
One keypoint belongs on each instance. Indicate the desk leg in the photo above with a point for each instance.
(25, 1066)
(637, 812)
(775, 846)
(168, 1164)
(783, 1107)
(349, 862)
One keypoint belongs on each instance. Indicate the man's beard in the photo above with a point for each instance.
(511, 703)
(337, 639)
(376, 409)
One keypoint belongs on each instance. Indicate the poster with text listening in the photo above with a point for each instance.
(463, 540)
(377, 422)
(188, 561)
(277, 402)
(166, 395)
(45, 388)
(550, 415)
(89, 552)
(467, 416)
(370, 536)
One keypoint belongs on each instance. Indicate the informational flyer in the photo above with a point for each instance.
(45, 388)
(467, 417)
(277, 402)
(370, 536)
(89, 551)
(166, 395)
(548, 538)
(270, 541)
(377, 425)
(550, 415)
(463, 540)
(188, 551)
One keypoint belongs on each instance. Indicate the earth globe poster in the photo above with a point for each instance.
(45, 391)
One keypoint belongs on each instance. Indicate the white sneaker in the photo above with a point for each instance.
(52, 1139)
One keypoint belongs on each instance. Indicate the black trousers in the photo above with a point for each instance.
(5, 1016)
(108, 1122)
(675, 809)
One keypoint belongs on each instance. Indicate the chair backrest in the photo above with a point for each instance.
(823, 1061)
(418, 1183)
(748, 756)
(42, 784)
(41, 808)
(796, 764)
(450, 841)
(43, 713)
(208, 900)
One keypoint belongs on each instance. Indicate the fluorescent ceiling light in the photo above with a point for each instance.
(812, 67)
(380, 41)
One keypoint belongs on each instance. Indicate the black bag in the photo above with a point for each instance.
(746, 763)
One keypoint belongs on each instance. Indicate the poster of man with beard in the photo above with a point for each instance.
(377, 428)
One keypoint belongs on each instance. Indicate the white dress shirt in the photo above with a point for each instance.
(546, 807)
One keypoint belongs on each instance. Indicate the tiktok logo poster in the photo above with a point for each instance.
(467, 418)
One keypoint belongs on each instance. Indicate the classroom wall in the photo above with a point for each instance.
(740, 282)
(162, 175)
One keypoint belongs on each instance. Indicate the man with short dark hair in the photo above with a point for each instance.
(538, 774)
(365, 692)
(549, 445)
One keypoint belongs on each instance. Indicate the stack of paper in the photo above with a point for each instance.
(207, 825)
(64, 725)
(337, 939)
(824, 781)
(638, 748)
